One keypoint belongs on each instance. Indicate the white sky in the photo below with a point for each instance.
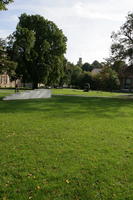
(88, 24)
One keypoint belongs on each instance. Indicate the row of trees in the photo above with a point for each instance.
(77, 76)
(37, 47)
(121, 58)
(35, 53)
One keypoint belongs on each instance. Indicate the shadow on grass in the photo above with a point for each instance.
(64, 106)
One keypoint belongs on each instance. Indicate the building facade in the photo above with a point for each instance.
(126, 78)
(6, 83)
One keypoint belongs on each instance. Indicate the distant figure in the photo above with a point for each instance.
(87, 87)
(16, 88)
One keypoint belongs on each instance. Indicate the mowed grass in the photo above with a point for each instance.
(76, 92)
(90, 93)
(66, 148)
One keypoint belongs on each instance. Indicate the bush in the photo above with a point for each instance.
(84, 79)
(106, 80)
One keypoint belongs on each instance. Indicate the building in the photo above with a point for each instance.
(6, 83)
(126, 78)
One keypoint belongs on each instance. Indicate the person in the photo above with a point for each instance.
(16, 88)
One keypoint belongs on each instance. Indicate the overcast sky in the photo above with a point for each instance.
(87, 24)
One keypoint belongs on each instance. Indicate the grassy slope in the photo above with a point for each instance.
(69, 148)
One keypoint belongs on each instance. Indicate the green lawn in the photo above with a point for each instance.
(91, 93)
(66, 148)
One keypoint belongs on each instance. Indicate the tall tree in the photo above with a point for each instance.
(122, 46)
(68, 72)
(38, 46)
(4, 3)
(119, 66)
(75, 76)
(6, 65)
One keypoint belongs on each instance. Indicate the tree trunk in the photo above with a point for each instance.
(35, 85)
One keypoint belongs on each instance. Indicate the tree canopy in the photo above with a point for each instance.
(6, 65)
(96, 64)
(122, 46)
(38, 46)
(87, 67)
(4, 3)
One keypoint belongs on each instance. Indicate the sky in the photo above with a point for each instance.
(87, 24)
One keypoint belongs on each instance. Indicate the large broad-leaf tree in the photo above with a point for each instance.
(6, 65)
(4, 3)
(38, 46)
(122, 46)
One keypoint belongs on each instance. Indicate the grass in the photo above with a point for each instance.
(71, 148)
(81, 92)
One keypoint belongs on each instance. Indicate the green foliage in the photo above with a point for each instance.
(38, 46)
(67, 75)
(119, 66)
(107, 79)
(6, 65)
(123, 41)
(84, 79)
(87, 67)
(96, 64)
(75, 77)
(4, 3)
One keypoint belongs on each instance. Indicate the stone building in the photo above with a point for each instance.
(6, 83)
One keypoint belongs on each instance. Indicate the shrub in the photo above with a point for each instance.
(107, 80)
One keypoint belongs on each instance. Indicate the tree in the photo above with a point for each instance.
(119, 66)
(38, 46)
(87, 67)
(122, 46)
(68, 72)
(6, 65)
(75, 76)
(4, 3)
(107, 79)
(96, 64)
(85, 78)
